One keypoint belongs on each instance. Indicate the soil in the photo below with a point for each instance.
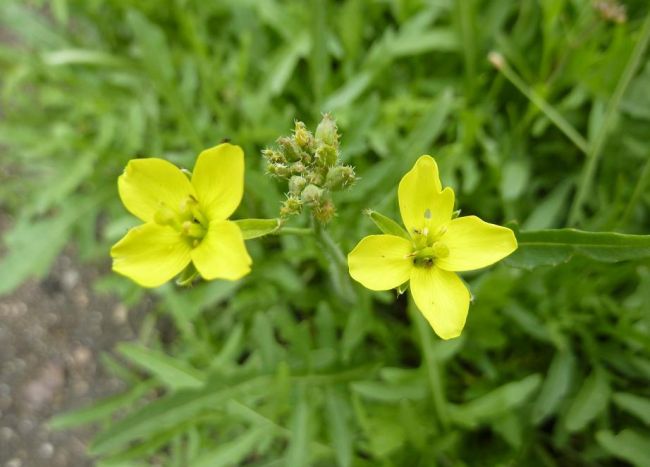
(52, 333)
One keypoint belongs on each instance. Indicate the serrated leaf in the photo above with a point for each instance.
(555, 246)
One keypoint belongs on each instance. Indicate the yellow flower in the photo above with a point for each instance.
(184, 221)
(435, 248)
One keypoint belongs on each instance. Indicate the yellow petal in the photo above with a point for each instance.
(474, 244)
(151, 254)
(218, 178)
(148, 184)
(222, 253)
(421, 197)
(381, 262)
(442, 298)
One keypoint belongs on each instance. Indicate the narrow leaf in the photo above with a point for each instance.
(173, 373)
(232, 452)
(496, 402)
(555, 387)
(170, 411)
(387, 225)
(636, 405)
(552, 247)
(298, 453)
(100, 410)
(590, 401)
(628, 445)
(338, 424)
(255, 228)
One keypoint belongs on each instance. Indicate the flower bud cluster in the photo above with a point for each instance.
(312, 167)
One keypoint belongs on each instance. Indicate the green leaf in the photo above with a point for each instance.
(552, 247)
(497, 402)
(387, 225)
(409, 44)
(102, 409)
(628, 445)
(170, 411)
(590, 401)
(636, 405)
(173, 373)
(514, 178)
(255, 228)
(154, 50)
(28, 254)
(232, 452)
(555, 387)
(338, 424)
(64, 57)
(298, 451)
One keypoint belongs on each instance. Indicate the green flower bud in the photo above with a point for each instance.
(279, 170)
(274, 157)
(326, 156)
(290, 207)
(297, 168)
(296, 184)
(290, 149)
(315, 177)
(311, 195)
(324, 212)
(327, 132)
(303, 137)
(339, 178)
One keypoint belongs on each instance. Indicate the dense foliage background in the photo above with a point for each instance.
(288, 367)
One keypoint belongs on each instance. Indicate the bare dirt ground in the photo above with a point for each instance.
(52, 333)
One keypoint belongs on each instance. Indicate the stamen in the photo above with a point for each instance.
(165, 216)
(192, 229)
(440, 250)
(198, 215)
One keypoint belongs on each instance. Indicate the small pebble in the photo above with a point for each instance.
(46, 450)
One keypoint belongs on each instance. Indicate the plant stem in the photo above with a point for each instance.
(434, 371)
(596, 148)
(339, 265)
(551, 113)
(636, 194)
(294, 231)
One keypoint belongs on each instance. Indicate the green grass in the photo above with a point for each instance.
(281, 368)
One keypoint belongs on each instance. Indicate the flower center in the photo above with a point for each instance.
(426, 245)
(187, 219)
(426, 257)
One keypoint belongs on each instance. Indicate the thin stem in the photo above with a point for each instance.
(596, 148)
(636, 194)
(339, 267)
(551, 113)
(294, 231)
(434, 370)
